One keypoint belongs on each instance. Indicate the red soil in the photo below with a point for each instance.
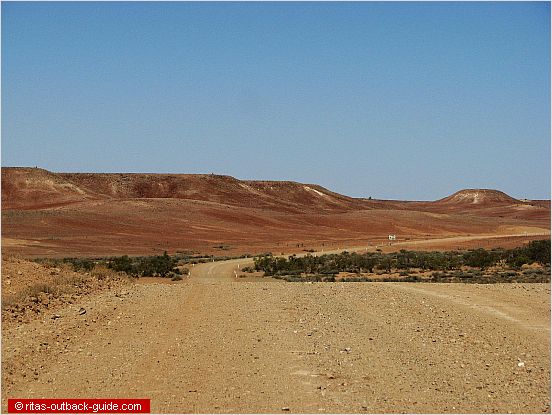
(63, 214)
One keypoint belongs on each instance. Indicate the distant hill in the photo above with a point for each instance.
(34, 188)
(478, 197)
(61, 214)
(31, 188)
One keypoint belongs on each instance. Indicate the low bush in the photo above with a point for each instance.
(450, 266)
(150, 266)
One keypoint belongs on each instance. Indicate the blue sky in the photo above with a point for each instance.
(389, 100)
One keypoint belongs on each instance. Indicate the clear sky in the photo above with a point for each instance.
(389, 100)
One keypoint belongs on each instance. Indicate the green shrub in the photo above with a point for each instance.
(539, 251)
(160, 265)
(150, 266)
(479, 258)
(123, 264)
(519, 260)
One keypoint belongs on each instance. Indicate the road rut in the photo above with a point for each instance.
(214, 343)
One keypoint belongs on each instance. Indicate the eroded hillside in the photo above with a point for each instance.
(62, 214)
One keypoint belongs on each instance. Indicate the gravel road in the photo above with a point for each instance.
(214, 343)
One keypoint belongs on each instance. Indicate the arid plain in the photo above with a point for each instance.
(55, 214)
(216, 343)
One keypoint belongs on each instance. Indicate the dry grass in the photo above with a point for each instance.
(101, 272)
(28, 288)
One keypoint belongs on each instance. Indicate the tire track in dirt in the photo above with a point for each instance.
(520, 314)
(213, 343)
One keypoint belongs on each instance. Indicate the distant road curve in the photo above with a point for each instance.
(208, 345)
(220, 271)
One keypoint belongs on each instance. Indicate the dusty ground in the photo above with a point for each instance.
(213, 343)
(30, 289)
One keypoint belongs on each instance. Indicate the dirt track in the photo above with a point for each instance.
(215, 343)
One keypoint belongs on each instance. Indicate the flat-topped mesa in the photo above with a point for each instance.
(28, 188)
(478, 197)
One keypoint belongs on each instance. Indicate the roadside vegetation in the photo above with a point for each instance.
(164, 266)
(530, 263)
(29, 289)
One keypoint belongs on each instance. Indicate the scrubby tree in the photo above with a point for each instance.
(122, 264)
(539, 251)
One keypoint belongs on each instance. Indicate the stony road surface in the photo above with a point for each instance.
(215, 343)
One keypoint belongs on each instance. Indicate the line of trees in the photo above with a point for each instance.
(149, 266)
(535, 251)
(141, 266)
